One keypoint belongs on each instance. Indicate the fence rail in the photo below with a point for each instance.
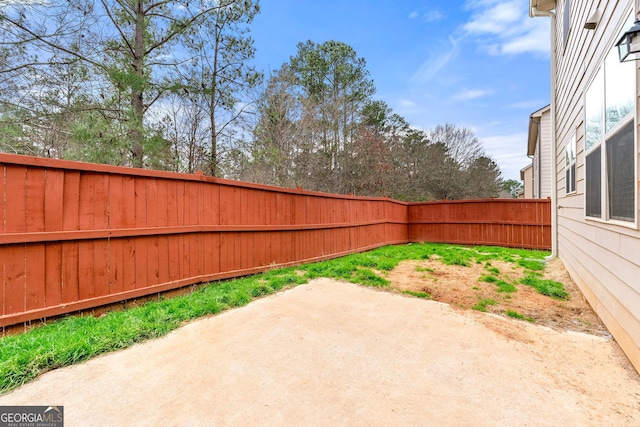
(75, 236)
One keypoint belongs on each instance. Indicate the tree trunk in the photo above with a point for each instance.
(137, 104)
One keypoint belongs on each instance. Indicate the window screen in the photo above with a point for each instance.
(620, 174)
(593, 182)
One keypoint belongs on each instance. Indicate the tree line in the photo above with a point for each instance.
(170, 85)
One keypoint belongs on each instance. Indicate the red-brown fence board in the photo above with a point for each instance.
(76, 235)
(503, 222)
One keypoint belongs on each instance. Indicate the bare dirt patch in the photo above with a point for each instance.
(461, 287)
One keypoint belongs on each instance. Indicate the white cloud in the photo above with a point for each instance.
(433, 15)
(534, 41)
(430, 16)
(504, 28)
(509, 151)
(469, 94)
(407, 103)
(496, 19)
(437, 60)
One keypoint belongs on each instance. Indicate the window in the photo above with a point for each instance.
(566, 21)
(570, 165)
(610, 167)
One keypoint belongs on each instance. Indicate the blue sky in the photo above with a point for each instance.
(481, 64)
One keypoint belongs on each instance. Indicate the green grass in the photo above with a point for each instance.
(483, 303)
(77, 338)
(546, 287)
(418, 294)
(516, 315)
(503, 286)
(530, 264)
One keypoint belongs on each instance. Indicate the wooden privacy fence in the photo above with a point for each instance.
(76, 236)
(498, 222)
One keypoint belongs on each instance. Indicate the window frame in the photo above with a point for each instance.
(570, 158)
(605, 138)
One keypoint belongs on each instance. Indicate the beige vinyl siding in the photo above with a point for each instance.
(545, 152)
(603, 258)
(535, 169)
(528, 182)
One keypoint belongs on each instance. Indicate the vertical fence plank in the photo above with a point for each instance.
(152, 203)
(101, 202)
(16, 209)
(53, 274)
(14, 279)
(87, 201)
(141, 245)
(116, 266)
(71, 200)
(35, 197)
(172, 204)
(101, 267)
(162, 203)
(70, 272)
(175, 260)
(129, 264)
(153, 261)
(34, 256)
(54, 200)
(163, 259)
(140, 202)
(128, 206)
(86, 269)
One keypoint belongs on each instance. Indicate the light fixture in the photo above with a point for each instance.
(593, 20)
(629, 44)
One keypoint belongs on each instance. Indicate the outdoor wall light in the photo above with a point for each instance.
(593, 20)
(629, 43)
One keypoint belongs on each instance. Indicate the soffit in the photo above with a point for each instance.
(543, 5)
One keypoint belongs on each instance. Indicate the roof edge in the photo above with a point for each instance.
(542, 5)
(534, 129)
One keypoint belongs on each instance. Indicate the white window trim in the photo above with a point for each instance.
(571, 145)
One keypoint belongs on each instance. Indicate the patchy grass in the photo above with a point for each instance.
(418, 294)
(531, 264)
(516, 315)
(493, 270)
(483, 303)
(503, 286)
(546, 287)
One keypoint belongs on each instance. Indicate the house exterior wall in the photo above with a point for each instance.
(528, 182)
(602, 256)
(539, 150)
(542, 159)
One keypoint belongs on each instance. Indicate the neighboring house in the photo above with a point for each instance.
(526, 176)
(594, 139)
(539, 149)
